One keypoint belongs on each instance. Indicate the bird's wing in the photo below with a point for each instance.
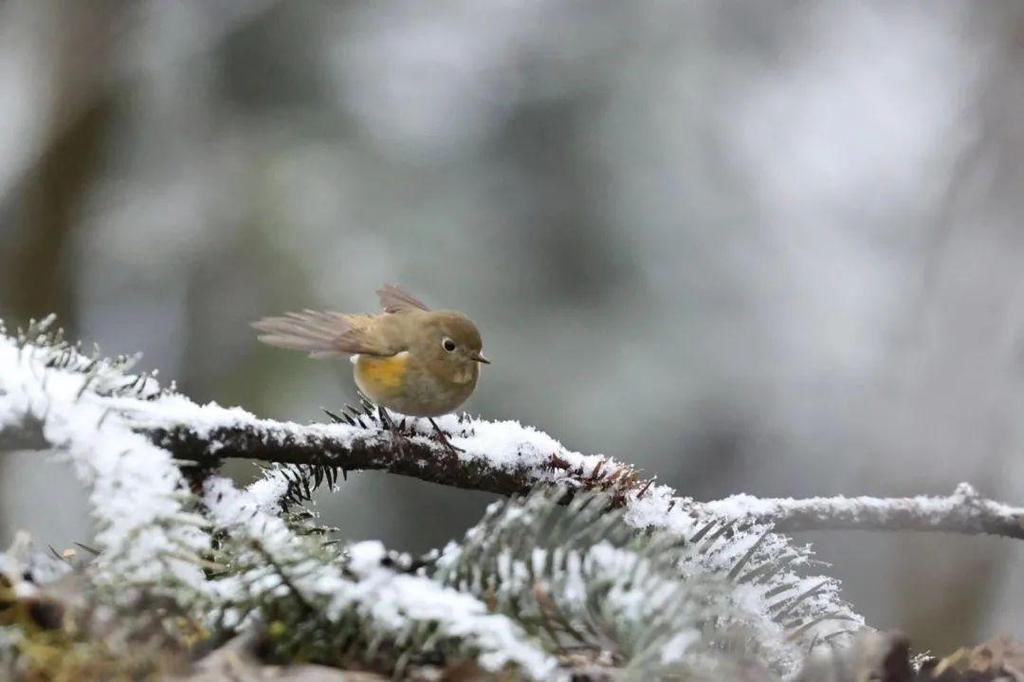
(396, 300)
(323, 334)
(365, 337)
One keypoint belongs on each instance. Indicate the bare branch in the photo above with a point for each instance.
(965, 512)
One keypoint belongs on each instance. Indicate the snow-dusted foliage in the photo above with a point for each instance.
(337, 604)
(627, 580)
(50, 390)
(580, 579)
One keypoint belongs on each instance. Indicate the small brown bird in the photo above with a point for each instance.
(410, 359)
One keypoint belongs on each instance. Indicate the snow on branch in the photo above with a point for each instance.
(499, 457)
(965, 511)
(135, 487)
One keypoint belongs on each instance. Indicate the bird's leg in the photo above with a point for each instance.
(443, 437)
(385, 419)
(396, 437)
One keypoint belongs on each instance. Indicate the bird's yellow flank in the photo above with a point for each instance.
(381, 375)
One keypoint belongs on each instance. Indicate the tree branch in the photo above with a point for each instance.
(965, 512)
(418, 458)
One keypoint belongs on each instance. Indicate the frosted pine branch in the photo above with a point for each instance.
(965, 512)
(353, 586)
(124, 433)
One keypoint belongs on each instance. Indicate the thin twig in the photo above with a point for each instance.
(965, 512)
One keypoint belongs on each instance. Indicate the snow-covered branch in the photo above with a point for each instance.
(499, 457)
(965, 512)
(507, 458)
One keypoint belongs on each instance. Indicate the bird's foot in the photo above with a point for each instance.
(397, 437)
(443, 437)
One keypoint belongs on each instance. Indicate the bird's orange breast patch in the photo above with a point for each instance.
(377, 375)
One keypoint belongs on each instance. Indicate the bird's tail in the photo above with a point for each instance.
(310, 331)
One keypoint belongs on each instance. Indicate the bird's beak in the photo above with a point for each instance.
(479, 357)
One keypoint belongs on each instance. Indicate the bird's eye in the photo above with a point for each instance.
(448, 345)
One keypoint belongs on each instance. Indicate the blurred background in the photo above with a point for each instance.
(763, 247)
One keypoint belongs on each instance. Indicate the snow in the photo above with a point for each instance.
(508, 443)
(133, 484)
(174, 410)
(676, 648)
(964, 509)
(392, 601)
(630, 592)
(365, 556)
(499, 445)
(266, 493)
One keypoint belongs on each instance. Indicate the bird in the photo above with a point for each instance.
(409, 358)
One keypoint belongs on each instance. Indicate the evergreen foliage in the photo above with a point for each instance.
(556, 583)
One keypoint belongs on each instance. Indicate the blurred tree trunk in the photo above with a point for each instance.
(73, 57)
(39, 279)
